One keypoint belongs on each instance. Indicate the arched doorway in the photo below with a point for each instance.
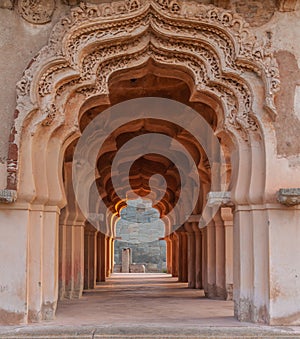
(224, 68)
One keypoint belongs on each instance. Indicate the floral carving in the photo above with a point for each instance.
(36, 11)
(50, 114)
(46, 81)
(23, 86)
(214, 44)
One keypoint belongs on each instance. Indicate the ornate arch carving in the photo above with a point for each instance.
(214, 46)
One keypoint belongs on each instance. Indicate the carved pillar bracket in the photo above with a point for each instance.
(219, 198)
(8, 196)
(289, 196)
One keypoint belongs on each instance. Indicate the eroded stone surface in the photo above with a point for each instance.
(289, 196)
(8, 196)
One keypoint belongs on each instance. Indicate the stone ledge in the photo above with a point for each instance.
(289, 196)
(219, 198)
(8, 196)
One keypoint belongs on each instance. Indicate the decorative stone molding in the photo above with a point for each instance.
(50, 114)
(212, 46)
(8, 196)
(36, 11)
(71, 2)
(219, 198)
(289, 196)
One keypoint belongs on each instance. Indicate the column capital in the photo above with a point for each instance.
(289, 196)
(226, 213)
(8, 196)
(219, 198)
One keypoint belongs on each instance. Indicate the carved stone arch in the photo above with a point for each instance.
(213, 47)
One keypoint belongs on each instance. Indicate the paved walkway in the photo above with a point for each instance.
(145, 306)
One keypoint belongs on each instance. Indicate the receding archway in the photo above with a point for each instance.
(211, 51)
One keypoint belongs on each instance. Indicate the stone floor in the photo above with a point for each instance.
(145, 306)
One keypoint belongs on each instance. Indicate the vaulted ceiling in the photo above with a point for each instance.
(143, 168)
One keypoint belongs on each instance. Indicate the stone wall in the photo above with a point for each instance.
(139, 229)
(151, 254)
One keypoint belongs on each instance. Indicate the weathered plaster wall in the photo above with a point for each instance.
(20, 41)
(285, 28)
(284, 267)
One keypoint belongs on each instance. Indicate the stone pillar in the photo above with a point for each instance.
(126, 260)
(112, 255)
(71, 260)
(101, 257)
(191, 255)
(35, 265)
(50, 263)
(175, 254)
(184, 257)
(98, 258)
(182, 260)
(198, 256)
(71, 243)
(253, 260)
(108, 256)
(283, 226)
(26, 295)
(62, 260)
(211, 260)
(169, 254)
(220, 257)
(227, 216)
(15, 238)
(204, 260)
(78, 260)
(89, 256)
(243, 265)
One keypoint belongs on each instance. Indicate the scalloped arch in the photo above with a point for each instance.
(214, 46)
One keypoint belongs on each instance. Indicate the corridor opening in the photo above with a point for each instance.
(201, 258)
(139, 246)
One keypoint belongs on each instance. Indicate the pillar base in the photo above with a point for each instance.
(48, 310)
(229, 292)
(12, 318)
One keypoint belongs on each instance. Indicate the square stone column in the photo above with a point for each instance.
(227, 216)
(169, 251)
(29, 279)
(101, 257)
(50, 262)
(220, 257)
(284, 270)
(211, 260)
(90, 240)
(71, 260)
(204, 259)
(126, 255)
(198, 255)
(191, 242)
(182, 258)
(175, 254)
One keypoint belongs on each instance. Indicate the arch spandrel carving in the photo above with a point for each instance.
(214, 46)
